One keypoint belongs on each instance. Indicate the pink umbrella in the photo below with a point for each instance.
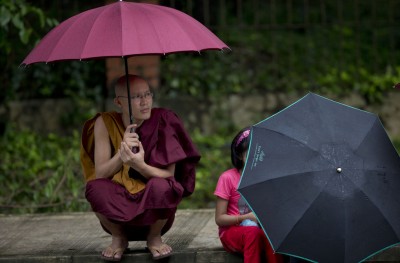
(124, 29)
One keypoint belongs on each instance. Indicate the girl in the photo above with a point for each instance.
(231, 212)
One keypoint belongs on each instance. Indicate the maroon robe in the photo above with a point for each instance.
(165, 142)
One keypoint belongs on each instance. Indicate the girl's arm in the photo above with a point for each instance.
(223, 219)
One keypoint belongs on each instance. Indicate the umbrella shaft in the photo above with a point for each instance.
(128, 89)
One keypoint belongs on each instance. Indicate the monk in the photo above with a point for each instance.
(135, 193)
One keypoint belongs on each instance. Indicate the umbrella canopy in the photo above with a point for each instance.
(124, 29)
(323, 179)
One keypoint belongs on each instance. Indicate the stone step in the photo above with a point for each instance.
(78, 237)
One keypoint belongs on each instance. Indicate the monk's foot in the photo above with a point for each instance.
(115, 251)
(157, 248)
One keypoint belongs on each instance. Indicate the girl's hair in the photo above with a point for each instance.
(240, 144)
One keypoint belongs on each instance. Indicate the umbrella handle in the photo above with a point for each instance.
(134, 149)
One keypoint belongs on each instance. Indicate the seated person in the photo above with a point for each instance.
(238, 226)
(135, 193)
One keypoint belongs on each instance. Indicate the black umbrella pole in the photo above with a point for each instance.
(128, 89)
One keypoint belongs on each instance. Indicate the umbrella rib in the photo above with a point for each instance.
(306, 210)
(52, 50)
(287, 136)
(190, 35)
(145, 12)
(187, 33)
(369, 131)
(295, 139)
(90, 32)
(79, 17)
(302, 215)
(366, 196)
(362, 189)
(198, 25)
(59, 40)
(302, 143)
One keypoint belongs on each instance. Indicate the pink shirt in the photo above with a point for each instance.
(227, 189)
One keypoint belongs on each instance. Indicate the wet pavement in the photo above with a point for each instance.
(78, 237)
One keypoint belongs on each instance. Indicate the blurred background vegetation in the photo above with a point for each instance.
(326, 46)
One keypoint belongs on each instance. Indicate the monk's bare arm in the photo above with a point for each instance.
(105, 164)
(151, 171)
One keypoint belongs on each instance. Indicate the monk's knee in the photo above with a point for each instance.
(160, 184)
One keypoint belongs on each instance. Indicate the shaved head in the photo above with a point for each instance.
(120, 86)
(138, 106)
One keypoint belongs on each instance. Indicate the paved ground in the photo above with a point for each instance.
(77, 237)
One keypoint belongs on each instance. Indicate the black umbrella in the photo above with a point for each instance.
(323, 179)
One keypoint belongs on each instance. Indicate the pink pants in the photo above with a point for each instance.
(251, 242)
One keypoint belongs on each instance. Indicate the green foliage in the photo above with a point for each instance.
(60, 80)
(321, 59)
(215, 152)
(22, 26)
(40, 173)
(334, 48)
(16, 17)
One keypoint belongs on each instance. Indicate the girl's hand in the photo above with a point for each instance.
(251, 216)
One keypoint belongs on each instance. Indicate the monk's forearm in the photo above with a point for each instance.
(150, 171)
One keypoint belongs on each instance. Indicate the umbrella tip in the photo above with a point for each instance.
(339, 170)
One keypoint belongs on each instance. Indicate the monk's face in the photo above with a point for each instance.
(141, 100)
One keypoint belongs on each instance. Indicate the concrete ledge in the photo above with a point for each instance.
(78, 237)
(216, 256)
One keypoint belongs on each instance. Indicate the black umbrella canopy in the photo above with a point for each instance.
(324, 181)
